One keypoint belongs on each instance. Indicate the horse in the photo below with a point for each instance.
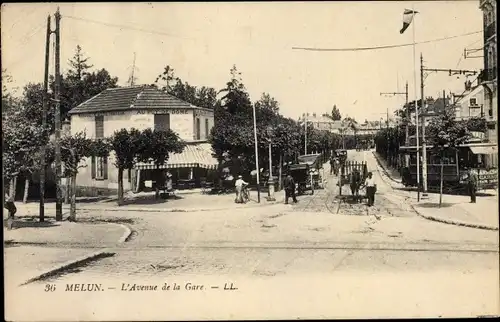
(355, 182)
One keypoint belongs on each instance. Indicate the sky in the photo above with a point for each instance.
(202, 41)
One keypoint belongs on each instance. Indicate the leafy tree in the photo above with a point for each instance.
(445, 133)
(79, 65)
(232, 137)
(156, 146)
(335, 115)
(73, 149)
(125, 143)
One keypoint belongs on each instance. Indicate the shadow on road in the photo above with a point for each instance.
(29, 222)
(436, 205)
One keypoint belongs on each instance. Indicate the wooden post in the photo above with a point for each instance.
(26, 189)
(441, 184)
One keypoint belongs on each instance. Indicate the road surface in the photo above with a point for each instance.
(379, 261)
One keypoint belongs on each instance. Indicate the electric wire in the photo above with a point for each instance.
(385, 46)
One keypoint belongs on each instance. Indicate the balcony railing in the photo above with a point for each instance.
(490, 30)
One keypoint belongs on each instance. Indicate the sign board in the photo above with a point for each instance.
(164, 111)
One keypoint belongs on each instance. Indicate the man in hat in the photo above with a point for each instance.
(239, 184)
(289, 185)
(472, 184)
(371, 188)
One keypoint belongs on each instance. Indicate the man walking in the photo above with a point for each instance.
(239, 184)
(11, 208)
(371, 188)
(472, 185)
(289, 184)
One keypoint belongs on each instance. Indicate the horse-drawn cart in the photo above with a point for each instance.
(306, 173)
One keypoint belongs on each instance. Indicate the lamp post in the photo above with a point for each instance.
(270, 181)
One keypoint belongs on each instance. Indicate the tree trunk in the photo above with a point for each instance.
(72, 213)
(12, 188)
(280, 173)
(67, 192)
(157, 188)
(120, 186)
(441, 185)
(26, 189)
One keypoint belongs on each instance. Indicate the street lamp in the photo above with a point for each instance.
(270, 181)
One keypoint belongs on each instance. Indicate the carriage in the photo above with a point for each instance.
(306, 173)
(455, 162)
(341, 154)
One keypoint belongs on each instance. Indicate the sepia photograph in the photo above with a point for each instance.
(250, 160)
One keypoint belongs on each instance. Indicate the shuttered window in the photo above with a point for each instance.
(99, 126)
(198, 129)
(162, 122)
(99, 168)
(207, 130)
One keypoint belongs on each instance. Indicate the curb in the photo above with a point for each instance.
(126, 235)
(164, 210)
(81, 260)
(70, 264)
(384, 169)
(454, 222)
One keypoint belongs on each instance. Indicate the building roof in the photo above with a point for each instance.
(130, 98)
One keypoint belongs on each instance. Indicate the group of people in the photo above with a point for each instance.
(242, 194)
(334, 166)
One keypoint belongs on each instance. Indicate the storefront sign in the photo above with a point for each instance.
(164, 111)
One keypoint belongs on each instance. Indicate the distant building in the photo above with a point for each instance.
(470, 103)
(143, 107)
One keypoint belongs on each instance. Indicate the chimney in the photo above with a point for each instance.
(314, 114)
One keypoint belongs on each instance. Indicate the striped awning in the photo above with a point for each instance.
(193, 156)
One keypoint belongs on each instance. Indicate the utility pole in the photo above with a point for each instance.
(305, 133)
(44, 123)
(424, 144)
(424, 147)
(57, 115)
(131, 79)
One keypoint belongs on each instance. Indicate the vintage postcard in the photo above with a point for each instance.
(250, 160)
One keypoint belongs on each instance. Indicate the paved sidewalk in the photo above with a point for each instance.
(31, 231)
(456, 209)
(146, 203)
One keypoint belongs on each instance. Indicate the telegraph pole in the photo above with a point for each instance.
(57, 115)
(424, 147)
(131, 80)
(305, 133)
(405, 93)
(424, 144)
(44, 122)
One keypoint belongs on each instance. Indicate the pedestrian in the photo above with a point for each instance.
(11, 208)
(289, 184)
(336, 166)
(472, 185)
(332, 163)
(239, 184)
(371, 188)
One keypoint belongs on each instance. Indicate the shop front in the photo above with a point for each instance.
(190, 169)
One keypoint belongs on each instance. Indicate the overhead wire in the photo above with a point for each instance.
(385, 46)
(129, 27)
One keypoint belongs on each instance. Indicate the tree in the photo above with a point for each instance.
(156, 146)
(335, 114)
(79, 65)
(166, 77)
(73, 149)
(232, 136)
(445, 133)
(126, 146)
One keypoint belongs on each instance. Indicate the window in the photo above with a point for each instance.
(207, 130)
(198, 129)
(99, 126)
(472, 101)
(99, 168)
(162, 122)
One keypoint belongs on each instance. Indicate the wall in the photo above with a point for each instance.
(181, 122)
(463, 110)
